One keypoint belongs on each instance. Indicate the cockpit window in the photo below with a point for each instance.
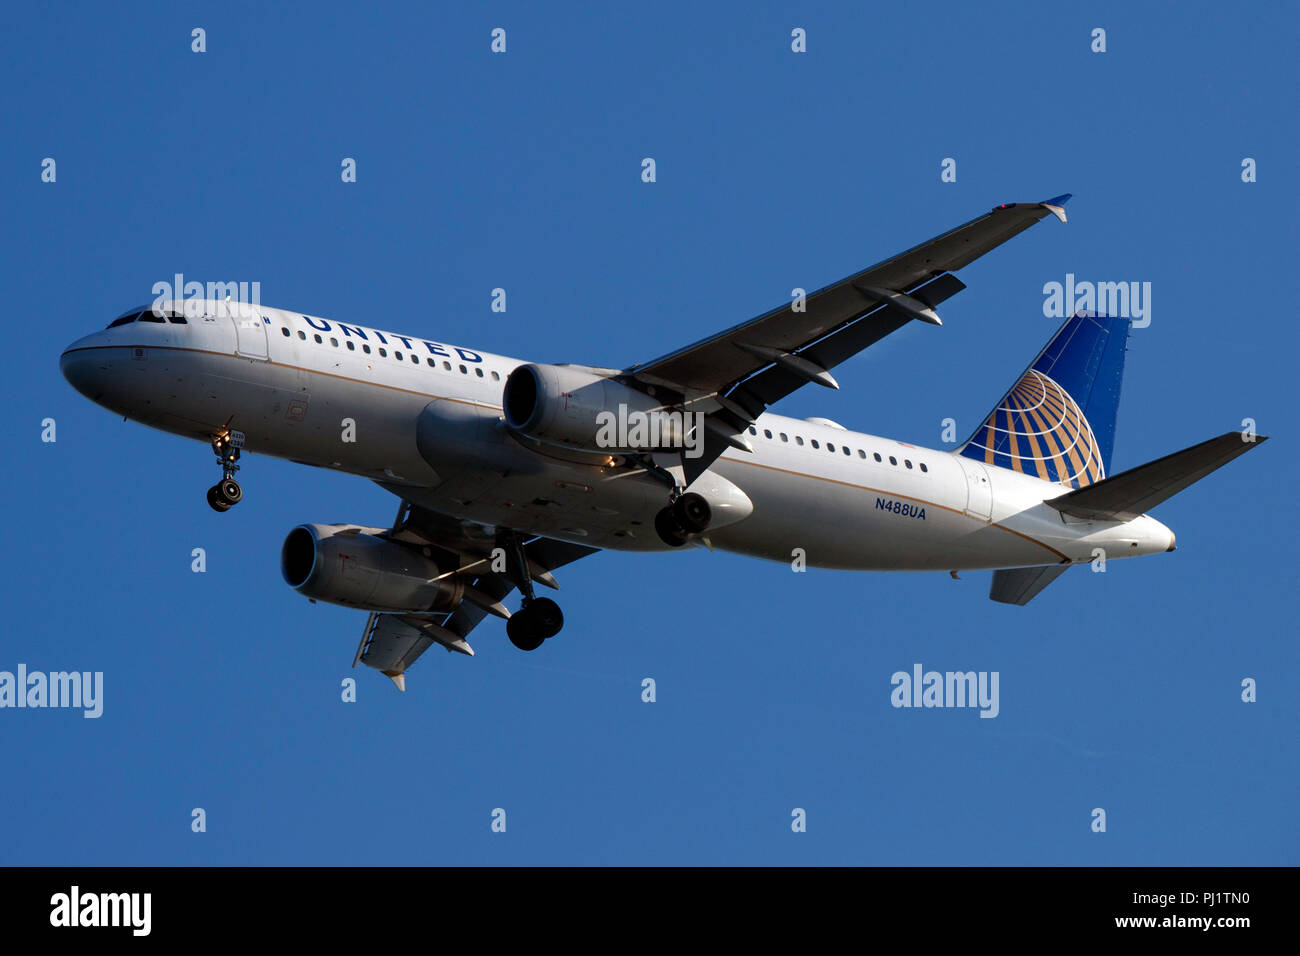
(124, 320)
(149, 315)
(175, 318)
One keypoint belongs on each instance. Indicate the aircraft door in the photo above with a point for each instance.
(979, 493)
(250, 329)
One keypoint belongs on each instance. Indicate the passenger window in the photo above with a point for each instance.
(923, 468)
(907, 462)
(814, 443)
(398, 356)
(284, 331)
(753, 430)
(496, 377)
(784, 437)
(431, 363)
(478, 372)
(845, 449)
(366, 349)
(351, 346)
(464, 370)
(319, 340)
(446, 366)
(767, 433)
(876, 456)
(798, 439)
(830, 448)
(302, 335)
(861, 453)
(383, 353)
(893, 460)
(334, 342)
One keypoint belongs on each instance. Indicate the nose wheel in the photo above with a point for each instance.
(226, 493)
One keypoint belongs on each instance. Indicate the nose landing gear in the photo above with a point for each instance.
(226, 493)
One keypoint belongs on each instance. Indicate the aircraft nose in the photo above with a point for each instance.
(84, 369)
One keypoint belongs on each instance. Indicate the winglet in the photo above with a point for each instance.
(1056, 205)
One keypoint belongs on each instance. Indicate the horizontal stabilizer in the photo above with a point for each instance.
(1021, 585)
(1131, 493)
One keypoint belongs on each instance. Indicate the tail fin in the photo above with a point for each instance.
(1058, 421)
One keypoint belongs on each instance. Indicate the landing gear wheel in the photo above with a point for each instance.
(521, 634)
(670, 532)
(215, 500)
(692, 513)
(226, 493)
(533, 623)
(547, 616)
(538, 618)
(229, 489)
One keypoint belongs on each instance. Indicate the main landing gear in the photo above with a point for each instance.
(538, 618)
(226, 493)
(684, 517)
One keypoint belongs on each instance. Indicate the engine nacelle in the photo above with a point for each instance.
(349, 565)
(572, 406)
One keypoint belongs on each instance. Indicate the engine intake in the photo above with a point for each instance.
(350, 565)
(572, 406)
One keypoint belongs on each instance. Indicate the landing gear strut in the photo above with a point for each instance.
(538, 618)
(684, 517)
(226, 493)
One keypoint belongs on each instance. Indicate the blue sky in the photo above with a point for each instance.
(1118, 690)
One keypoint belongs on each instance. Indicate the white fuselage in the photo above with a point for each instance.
(434, 434)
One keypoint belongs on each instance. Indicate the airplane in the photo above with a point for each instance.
(507, 470)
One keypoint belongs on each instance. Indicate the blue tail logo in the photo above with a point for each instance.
(1058, 421)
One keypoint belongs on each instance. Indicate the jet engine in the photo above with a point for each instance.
(573, 406)
(352, 566)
